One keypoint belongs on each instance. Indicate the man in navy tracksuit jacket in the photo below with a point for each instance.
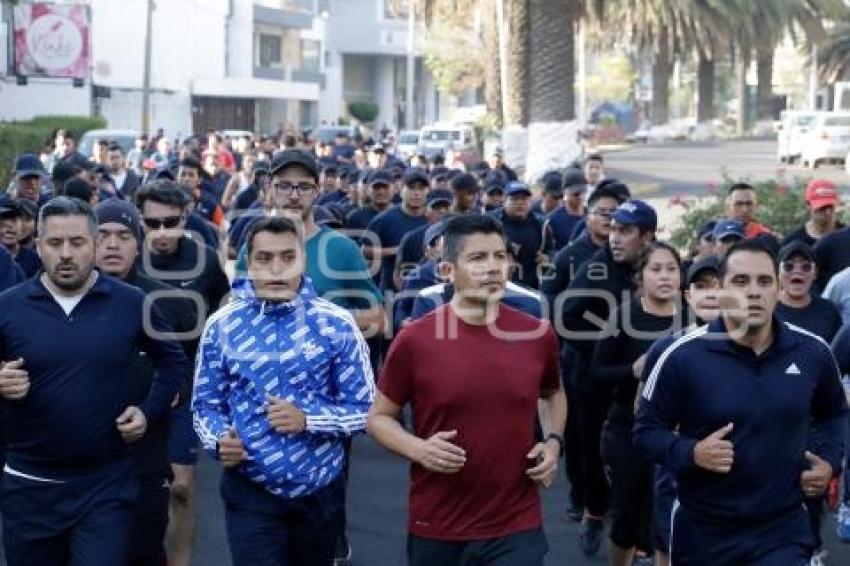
(67, 340)
(760, 414)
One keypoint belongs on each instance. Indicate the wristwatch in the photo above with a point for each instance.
(558, 438)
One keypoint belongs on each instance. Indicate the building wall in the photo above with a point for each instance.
(40, 97)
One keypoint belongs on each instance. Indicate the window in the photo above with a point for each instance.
(269, 51)
(311, 51)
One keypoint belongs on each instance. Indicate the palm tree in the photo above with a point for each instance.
(834, 54)
(516, 98)
(552, 60)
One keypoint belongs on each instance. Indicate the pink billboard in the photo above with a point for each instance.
(52, 40)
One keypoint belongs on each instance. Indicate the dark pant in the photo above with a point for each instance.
(782, 540)
(631, 488)
(592, 412)
(150, 520)
(521, 549)
(265, 530)
(83, 522)
(665, 490)
(573, 448)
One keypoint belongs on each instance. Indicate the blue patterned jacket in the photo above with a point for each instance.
(307, 351)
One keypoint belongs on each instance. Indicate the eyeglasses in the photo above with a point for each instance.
(805, 266)
(167, 222)
(603, 212)
(293, 188)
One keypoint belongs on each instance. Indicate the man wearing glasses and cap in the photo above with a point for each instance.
(797, 274)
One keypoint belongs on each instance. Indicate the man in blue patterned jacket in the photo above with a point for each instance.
(282, 377)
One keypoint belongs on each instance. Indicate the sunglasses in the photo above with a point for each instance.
(805, 266)
(167, 222)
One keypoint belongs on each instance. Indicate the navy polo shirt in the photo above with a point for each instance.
(10, 272)
(563, 223)
(29, 261)
(78, 368)
(389, 228)
(777, 402)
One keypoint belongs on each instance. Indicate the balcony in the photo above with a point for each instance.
(291, 75)
(285, 13)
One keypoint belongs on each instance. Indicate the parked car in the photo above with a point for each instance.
(790, 131)
(125, 138)
(828, 139)
(407, 142)
(440, 138)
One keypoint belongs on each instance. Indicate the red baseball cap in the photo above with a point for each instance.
(821, 193)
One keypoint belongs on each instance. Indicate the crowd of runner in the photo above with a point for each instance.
(267, 300)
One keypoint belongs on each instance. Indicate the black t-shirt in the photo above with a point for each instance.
(411, 250)
(821, 317)
(195, 267)
(611, 367)
(832, 254)
(800, 235)
(360, 217)
(525, 239)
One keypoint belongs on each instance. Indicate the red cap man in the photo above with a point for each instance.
(821, 193)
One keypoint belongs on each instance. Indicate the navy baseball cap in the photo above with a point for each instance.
(494, 188)
(288, 157)
(9, 208)
(797, 247)
(440, 172)
(637, 213)
(438, 196)
(517, 187)
(328, 164)
(435, 230)
(78, 159)
(707, 229)
(29, 165)
(553, 184)
(575, 181)
(416, 174)
(380, 176)
(726, 227)
(710, 263)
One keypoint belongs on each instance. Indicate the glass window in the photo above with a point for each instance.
(311, 51)
(269, 50)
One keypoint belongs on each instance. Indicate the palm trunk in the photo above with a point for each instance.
(492, 69)
(552, 61)
(764, 90)
(517, 15)
(705, 88)
(662, 68)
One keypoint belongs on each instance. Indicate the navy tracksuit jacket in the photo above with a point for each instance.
(782, 403)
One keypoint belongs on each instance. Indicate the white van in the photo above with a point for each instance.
(440, 138)
(827, 139)
(789, 140)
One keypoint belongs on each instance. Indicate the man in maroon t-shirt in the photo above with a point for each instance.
(473, 372)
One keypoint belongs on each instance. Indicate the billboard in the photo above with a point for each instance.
(51, 40)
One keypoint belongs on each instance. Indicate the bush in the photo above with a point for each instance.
(364, 110)
(781, 208)
(33, 135)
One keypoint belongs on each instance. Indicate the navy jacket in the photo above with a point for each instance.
(78, 369)
(10, 272)
(777, 402)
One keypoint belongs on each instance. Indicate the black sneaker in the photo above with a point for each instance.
(342, 554)
(590, 536)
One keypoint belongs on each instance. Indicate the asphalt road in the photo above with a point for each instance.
(689, 167)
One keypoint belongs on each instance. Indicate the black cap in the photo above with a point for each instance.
(9, 208)
(616, 187)
(465, 182)
(710, 263)
(553, 184)
(260, 166)
(289, 157)
(120, 211)
(574, 180)
(416, 174)
(380, 176)
(440, 196)
(78, 159)
(78, 188)
(440, 172)
(797, 247)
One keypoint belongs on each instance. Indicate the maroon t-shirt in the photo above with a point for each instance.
(485, 384)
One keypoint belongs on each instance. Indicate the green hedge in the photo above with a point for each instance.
(31, 136)
(364, 110)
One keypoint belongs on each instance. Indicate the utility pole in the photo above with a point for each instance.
(410, 111)
(146, 81)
